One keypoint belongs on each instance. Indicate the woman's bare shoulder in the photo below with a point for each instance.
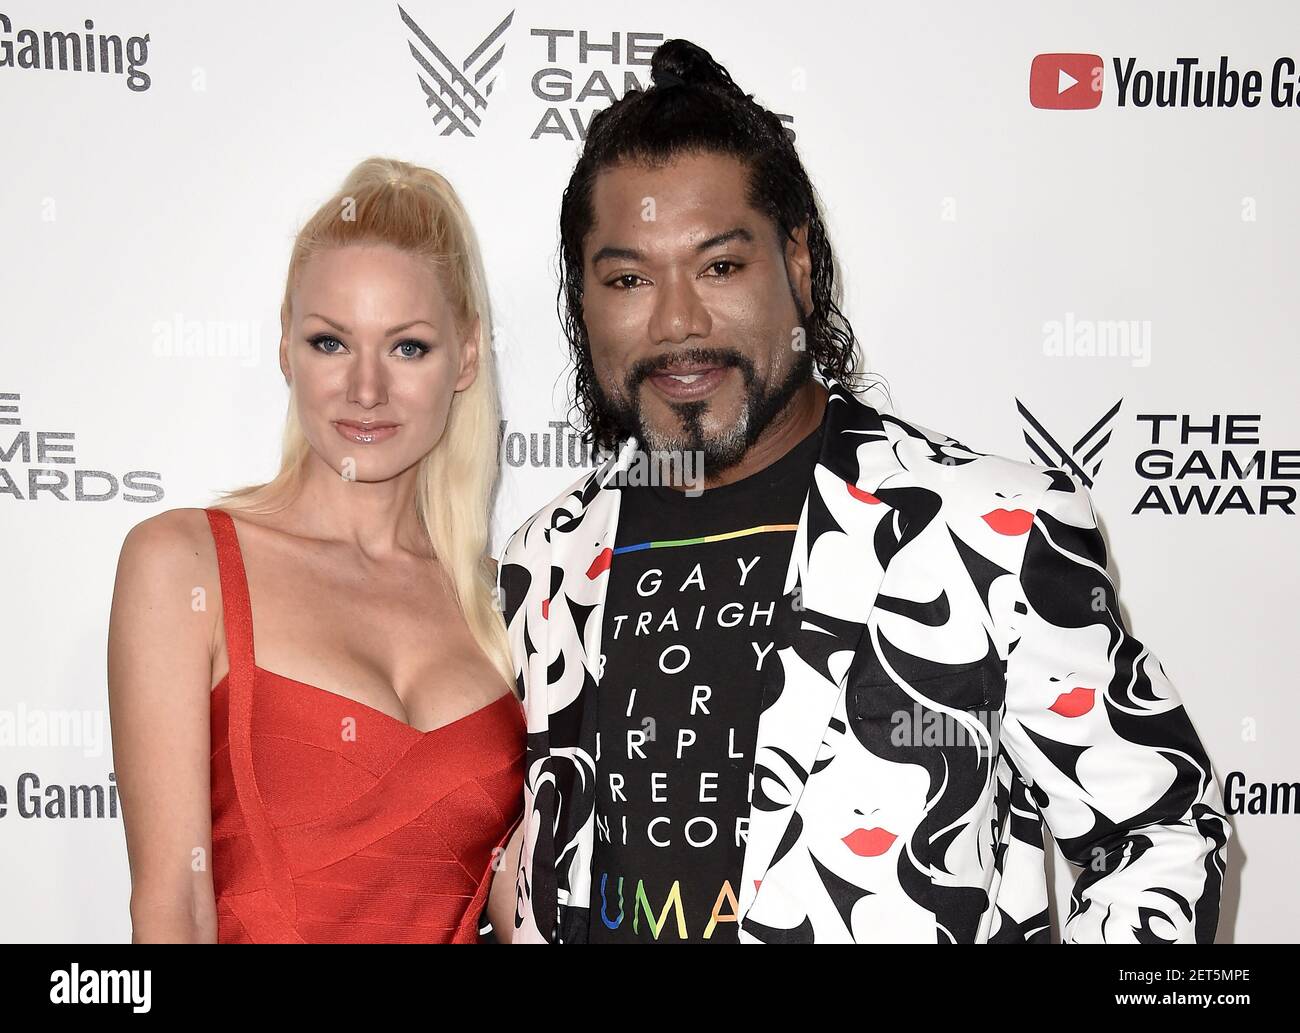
(169, 552)
(170, 537)
(166, 599)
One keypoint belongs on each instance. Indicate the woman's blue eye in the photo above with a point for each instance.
(322, 342)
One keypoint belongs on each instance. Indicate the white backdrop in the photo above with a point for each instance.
(983, 243)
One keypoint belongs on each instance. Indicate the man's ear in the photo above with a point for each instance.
(469, 355)
(799, 266)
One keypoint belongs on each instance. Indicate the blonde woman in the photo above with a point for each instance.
(315, 730)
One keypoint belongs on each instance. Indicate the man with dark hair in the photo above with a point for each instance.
(826, 679)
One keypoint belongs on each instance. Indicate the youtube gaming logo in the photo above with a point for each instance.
(1065, 82)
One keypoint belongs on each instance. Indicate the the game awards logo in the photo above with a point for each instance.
(456, 94)
(1083, 458)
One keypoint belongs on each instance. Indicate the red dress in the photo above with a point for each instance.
(333, 822)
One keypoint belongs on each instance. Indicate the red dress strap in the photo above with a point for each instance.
(237, 613)
(236, 609)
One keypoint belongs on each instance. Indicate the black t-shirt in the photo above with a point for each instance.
(689, 649)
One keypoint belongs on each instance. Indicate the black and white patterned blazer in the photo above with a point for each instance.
(957, 673)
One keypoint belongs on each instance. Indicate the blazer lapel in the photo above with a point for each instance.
(581, 536)
(830, 588)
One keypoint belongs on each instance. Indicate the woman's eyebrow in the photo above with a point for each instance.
(387, 333)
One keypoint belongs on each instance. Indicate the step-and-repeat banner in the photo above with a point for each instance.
(1097, 279)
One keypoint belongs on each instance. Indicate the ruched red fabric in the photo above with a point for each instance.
(333, 822)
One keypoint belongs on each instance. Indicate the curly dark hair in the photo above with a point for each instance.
(694, 106)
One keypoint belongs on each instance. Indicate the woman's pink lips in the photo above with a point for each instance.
(1010, 521)
(869, 842)
(362, 435)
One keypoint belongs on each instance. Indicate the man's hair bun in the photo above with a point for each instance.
(679, 62)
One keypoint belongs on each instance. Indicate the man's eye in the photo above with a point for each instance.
(618, 282)
(734, 267)
(320, 340)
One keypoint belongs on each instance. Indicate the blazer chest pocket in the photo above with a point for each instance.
(980, 685)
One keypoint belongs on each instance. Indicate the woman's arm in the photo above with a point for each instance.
(501, 897)
(161, 632)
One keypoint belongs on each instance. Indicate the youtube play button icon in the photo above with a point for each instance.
(1065, 81)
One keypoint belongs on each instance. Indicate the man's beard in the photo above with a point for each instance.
(723, 450)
